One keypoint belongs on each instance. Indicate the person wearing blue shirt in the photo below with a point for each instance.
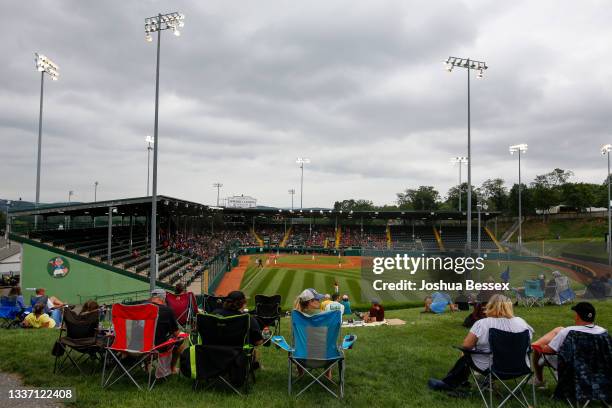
(347, 305)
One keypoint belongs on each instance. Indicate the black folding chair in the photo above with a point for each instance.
(508, 359)
(268, 312)
(78, 335)
(584, 369)
(224, 354)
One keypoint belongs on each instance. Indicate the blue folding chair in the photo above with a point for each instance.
(9, 312)
(316, 349)
(534, 294)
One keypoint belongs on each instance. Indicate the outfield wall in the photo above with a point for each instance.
(84, 279)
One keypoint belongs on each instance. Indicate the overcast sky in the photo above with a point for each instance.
(356, 86)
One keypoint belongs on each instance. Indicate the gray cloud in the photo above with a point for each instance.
(357, 86)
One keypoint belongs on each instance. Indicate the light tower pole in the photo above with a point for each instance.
(469, 65)
(218, 187)
(45, 66)
(96, 191)
(459, 160)
(302, 161)
(520, 149)
(605, 150)
(150, 143)
(292, 192)
(159, 23)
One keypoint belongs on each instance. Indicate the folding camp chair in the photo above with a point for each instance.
(507, 361)
(10, 312)
(316, 350)
(268, 312)
(185, 309)
(534, 293)
(133, 345)
(583, 370)
(223, 354)
(211, 303)
(78, 334)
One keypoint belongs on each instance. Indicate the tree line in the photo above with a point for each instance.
(545, 191)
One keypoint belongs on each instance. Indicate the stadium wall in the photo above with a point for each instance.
(83, 279)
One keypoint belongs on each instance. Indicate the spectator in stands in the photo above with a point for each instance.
(38, 319)
(16, 291)
(376, 312)
(167, 327)
(326, 300)
(550, 343)
(500, 315)
(308, 302)
(179, 289)
(51, 304)
(234, 304)
(347, 305)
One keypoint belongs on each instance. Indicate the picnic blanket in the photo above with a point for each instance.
(386, 322)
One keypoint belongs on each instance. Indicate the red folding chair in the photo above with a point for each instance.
(184, 307)
(134, 344)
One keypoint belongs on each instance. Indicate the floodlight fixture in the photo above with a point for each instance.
(45, 65)
(522, 148)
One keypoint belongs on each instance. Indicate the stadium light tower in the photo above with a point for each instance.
(469, 65)
(45, 66)
(302, 161)
(218, 187)
(520, 149)
(605, 150)
(96, 191)
(70, 194)
(159, 23)
(459, 160)
(292, 192)
(150, 143)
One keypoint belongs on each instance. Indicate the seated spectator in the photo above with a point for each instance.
(89, 307)
(550, 343)
(479, 312)
(38, 319)
(51, 304)
(167, 327)
(308, 302)
(500, 316)
(326, 301)
(437, 302)
(335, 305)
(376, 312)
(233, 305)
(16, 291)
(347, 305)
(179, 289)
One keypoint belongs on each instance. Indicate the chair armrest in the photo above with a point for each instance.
(172, 341)
(348, 341)
(282, 343)
(472, 351)
(539, 349)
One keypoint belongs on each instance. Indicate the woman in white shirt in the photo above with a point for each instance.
(500, 315)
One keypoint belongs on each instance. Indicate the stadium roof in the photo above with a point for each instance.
(140, 206)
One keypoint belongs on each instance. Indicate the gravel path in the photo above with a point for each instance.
(12, 382)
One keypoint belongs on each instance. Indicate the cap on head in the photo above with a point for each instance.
(585, 311)
(158, 293)
(235, 296)
(310, 294)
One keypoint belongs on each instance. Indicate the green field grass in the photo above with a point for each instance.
(388, 367)
(289, 282)
(592, 247)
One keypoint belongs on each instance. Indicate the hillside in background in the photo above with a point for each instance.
(536, 230)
